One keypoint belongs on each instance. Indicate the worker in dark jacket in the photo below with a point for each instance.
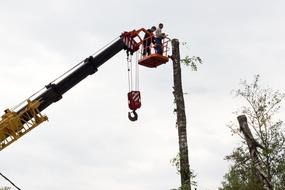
(147, 40)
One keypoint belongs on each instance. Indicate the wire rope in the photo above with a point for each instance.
(10, 181)
(129, 77)
(137, 71)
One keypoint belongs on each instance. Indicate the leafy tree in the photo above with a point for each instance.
(262, 106)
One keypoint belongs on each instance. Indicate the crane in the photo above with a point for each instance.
(16, 123)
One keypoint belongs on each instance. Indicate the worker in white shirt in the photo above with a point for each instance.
(159, 35)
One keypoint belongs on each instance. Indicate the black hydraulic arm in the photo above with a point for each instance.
(14, 124)
(54, 92)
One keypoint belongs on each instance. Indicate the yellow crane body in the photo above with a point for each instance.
(14, 125)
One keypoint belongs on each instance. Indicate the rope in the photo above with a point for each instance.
(133, 73)
(68, 71)
(10, 181)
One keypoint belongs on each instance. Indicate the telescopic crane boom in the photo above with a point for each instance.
(14, 124)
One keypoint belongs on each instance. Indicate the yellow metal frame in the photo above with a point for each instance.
(14, 125)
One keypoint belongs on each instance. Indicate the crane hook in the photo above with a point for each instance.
(134, 117)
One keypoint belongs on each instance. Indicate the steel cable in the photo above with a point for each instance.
(10, 181)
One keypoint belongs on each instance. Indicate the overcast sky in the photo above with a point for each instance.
(89, 143)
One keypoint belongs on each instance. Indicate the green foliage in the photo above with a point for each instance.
(262, 104)
(191, 61)
(176, 162)
(5, 188)
(240, 179)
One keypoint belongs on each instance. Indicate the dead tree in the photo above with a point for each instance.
(181, 117)
(252, 146)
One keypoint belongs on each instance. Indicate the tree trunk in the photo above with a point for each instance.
(252, 146)
(181, 117)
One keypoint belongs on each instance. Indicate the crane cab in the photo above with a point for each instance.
(154, 55)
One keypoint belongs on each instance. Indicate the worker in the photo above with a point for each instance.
(159, 35)
(147, 40)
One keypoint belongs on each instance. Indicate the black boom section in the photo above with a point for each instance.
(54, 92)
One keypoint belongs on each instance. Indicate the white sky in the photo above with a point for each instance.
(89, 143)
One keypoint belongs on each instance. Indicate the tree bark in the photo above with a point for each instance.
(252, 146)
(181, 117)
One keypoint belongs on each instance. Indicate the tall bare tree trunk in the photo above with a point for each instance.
(181, 117)
(252, 146)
